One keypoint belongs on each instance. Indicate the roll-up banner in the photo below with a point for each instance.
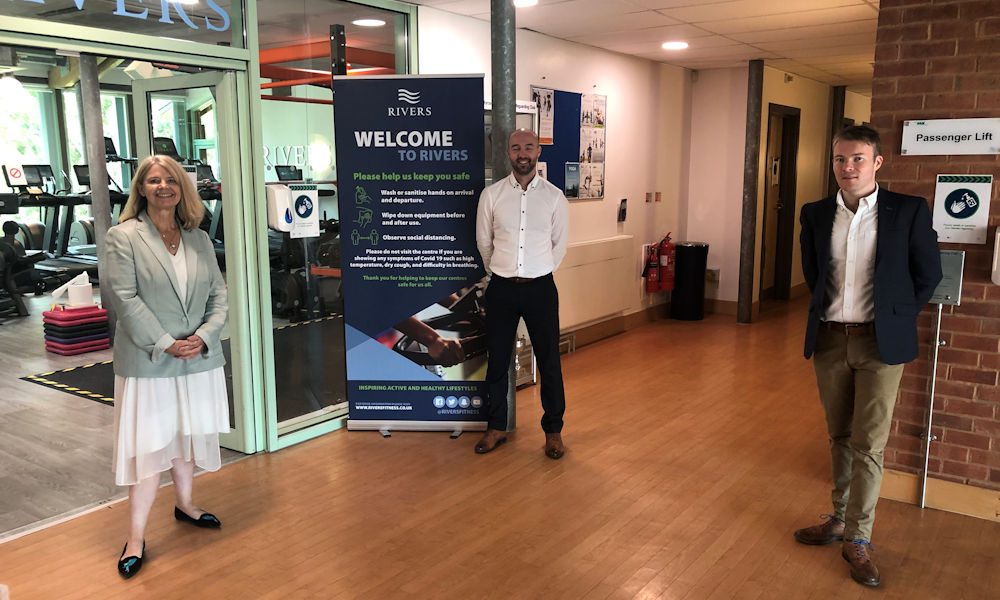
(410, 168)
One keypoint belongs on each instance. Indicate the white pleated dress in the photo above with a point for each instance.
(158, 419)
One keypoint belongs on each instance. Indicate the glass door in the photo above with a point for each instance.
(194, 119)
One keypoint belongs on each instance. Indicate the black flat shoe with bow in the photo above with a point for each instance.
(206, 520)
(130, 565)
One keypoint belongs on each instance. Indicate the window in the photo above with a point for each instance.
(113, 116)
(23, 127)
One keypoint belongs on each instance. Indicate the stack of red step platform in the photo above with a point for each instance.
(75, 330)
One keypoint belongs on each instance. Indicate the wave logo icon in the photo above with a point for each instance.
(405, 95)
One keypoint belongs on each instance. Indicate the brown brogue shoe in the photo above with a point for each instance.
(827, 532)
(490, 440)
(858, 553)
(554, 448)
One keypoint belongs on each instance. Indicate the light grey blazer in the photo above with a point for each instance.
(151, 314)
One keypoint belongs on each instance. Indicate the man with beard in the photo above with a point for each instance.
(521, 229)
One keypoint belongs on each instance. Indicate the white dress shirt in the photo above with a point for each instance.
(850, 282)
(522, 232)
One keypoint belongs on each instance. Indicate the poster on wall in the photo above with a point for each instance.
(545, 100)
(962, 208)
(410, 156)
(305, 210)
(572, 188)
(577, 155)
(592, 135)
(591, 180)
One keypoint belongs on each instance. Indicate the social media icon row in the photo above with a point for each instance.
(457, 401)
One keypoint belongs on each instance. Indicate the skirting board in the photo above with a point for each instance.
(720, 307)
(943, 495)
(454, 426)
(617, 324)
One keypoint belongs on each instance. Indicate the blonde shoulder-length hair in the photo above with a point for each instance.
(189, 210)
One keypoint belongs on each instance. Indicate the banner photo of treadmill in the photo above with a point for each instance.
(410, 155)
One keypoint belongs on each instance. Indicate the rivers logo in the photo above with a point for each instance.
(405, 95)
(409, 97)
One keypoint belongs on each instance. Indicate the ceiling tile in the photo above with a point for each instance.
(655, 36)
(827, 40)
(825, 56)
(582, 17)
(792, 19)
(868, 26)
(582, 27)
(656, 4)
(745, 9)
(864, 40)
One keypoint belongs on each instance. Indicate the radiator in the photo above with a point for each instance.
(594, 281)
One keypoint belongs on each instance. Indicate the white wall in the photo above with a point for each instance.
(713, 211)
(646, 117)
(857, 107)
(715, 199)
(299, 134)
(812, 164)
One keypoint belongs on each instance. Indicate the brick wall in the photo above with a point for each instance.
(938, 60)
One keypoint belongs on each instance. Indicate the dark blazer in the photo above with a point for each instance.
(151, 313)
(907, 269)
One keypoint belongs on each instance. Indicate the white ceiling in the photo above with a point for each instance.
(830, 41)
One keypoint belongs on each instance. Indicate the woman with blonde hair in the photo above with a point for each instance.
(170, 389)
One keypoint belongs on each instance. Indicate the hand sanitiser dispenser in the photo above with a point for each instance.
(279, 207)
(995, 275)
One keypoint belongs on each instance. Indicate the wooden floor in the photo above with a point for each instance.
(695, 449)
(55, 448)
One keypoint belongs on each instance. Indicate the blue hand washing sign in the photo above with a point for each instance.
(962, 208)
(303, 206)
(961, 203)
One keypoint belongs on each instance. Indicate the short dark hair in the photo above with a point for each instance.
(860, 133)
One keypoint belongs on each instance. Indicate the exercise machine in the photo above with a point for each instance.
(18, 275)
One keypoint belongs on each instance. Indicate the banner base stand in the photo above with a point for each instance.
(387, 427)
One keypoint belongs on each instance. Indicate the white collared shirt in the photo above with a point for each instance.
(522, 232)
(850, 281)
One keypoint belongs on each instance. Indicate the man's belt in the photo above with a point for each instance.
(850, 328)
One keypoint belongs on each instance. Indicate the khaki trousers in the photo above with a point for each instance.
(858, 392)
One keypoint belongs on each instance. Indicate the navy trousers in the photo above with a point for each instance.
(537, 302)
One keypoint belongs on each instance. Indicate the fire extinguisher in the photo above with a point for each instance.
(667, 258)
(652, 270)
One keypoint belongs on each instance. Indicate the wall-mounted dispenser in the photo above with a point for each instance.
(995, 275)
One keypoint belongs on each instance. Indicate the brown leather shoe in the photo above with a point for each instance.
(858, 553)
(490, 440)
(826, 532)
(554, 448)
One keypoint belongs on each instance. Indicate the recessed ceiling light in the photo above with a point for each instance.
(369, 22)
(524, 3)
(675, 45)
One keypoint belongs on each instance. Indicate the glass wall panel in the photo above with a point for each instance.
(216, 22)
(297, 117)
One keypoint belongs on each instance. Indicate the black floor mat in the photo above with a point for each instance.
(309, 370)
